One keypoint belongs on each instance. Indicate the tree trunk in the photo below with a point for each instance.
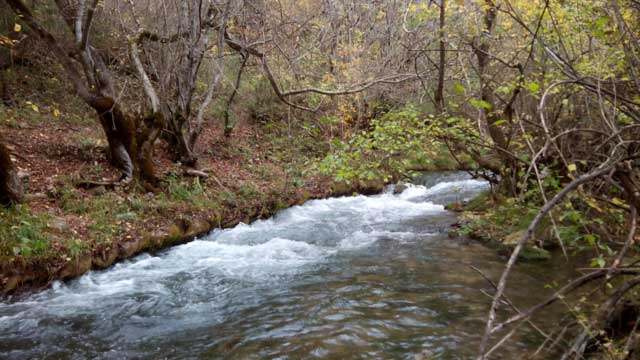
(130, 142)
(149, 130)
(482, 48)
(120, 133)
(5, 93)
(125, 135)
(11, 191)
(228, 126)
(439, 96)
(180, 141)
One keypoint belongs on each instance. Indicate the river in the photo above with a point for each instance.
(361, 277)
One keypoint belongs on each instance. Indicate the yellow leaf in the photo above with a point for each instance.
(5, 41)
(593, 204)
(618, 202)
(17, 27)
(56, 112)
(572, 167)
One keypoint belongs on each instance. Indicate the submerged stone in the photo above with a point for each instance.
(531, 253)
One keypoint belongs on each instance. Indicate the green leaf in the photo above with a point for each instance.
(458, 88)
(479, 104)
(534, 87)
(590, 239)
(599, 262)
(602, 21)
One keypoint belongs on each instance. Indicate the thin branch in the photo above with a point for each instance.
(283, 95)
(602, 170)
(86, 27)
(149, 90)
(628, 244)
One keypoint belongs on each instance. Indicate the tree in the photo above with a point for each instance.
(130, 138)
(183, 40)
(493, 115)
(442, 51)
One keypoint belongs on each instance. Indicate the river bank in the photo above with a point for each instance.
(492, 222)
(71, 223)
(357, 276)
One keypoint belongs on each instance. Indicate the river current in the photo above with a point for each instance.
(360, 277)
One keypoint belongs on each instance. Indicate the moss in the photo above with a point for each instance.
(501, 225)
(479, 203)
(531, 253)
(174, 233)
(197, 227)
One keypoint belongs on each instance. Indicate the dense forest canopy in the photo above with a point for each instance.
(539, 97)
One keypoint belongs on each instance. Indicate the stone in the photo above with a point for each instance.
(23, 175)
(129, 248)
(529, 253)
(98, 190)
(399, 188)
(58, 224)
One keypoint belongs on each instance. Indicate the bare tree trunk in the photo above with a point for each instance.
(194, 45)
(439, 96)
(130, 140)
(228, 127)
(11, 191)
(482, 48)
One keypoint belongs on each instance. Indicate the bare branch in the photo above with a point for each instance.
(149, 90)
(284, 95)
(602, 170)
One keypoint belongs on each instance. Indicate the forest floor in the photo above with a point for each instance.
(65, 229)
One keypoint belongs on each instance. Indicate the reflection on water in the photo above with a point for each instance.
(371, 277)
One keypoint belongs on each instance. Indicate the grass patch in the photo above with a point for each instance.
(22, 234)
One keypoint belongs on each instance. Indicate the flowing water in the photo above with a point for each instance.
(373, 277)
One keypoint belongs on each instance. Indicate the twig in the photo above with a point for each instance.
(631, 339)
(630, 241)
(602, 170)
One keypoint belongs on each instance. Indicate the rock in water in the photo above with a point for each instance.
(399, 188)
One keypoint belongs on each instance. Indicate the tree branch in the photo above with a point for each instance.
(602, 170)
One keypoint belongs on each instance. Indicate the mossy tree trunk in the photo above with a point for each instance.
(130, 140)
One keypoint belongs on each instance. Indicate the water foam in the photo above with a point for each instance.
(264, 250)
(267, 270)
